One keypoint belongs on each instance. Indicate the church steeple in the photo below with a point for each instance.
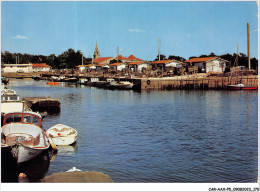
(96, 52)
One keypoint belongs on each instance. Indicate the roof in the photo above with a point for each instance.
(162, 61)
(90, 65)
(101, 59)
(136, 63)
(100, 65)
(132, 57)
(203, 59)
(35, 65)
(81, 66)
(116, 64)
(120, 57)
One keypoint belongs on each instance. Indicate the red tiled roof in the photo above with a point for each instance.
(203, 59)
(100, 65)
(161, 61)
(120, 57)
(116, 64)
(132, 57)
(101, 59)
(81, 66)
(35, 65)
(135, 63)
(90, 65)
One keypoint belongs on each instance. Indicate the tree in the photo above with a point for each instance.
(162, 57)
(178, 58)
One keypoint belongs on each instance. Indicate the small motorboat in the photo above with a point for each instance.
(23, 136)
(124, 85)
(62, 134)
(241, 87)
(52, 83)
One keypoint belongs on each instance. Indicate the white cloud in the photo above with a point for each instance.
(20, 37)
(136, 30)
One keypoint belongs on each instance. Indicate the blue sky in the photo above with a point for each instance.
(186, 29)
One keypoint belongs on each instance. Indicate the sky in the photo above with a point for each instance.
(185, 28)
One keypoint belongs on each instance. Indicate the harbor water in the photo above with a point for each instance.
(156, 136)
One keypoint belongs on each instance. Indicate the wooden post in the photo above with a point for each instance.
(248, 46)
(159, 55)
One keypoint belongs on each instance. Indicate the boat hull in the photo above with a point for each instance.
(64, 140)
(23, 153)
(62, 134)
(234, 87)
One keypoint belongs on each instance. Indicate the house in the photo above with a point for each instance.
(162, 64)
(118, 66)
(207, 64)
(17, 68)
(90, 67)
(40, 67)
(81, 68)
(102, 60)
(138, 66)
(101, 67)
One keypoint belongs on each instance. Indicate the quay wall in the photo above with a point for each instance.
(202, 83)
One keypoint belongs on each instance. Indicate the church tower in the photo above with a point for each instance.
(96, 52)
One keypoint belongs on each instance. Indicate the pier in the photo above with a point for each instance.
(42, 104)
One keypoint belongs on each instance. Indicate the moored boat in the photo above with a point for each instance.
(53, 83)
(23, 135)
(123, 85)
(62, 134)
(241, 87)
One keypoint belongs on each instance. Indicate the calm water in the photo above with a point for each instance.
(158, 136)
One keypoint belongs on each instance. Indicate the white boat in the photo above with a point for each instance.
(23, 136)
(11, 102)
(62, 134)
(124, 85)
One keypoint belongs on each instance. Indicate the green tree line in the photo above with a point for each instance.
(67, 60)
(70, 59)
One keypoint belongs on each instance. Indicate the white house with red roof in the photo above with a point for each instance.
(17, 68)
(162, 64)
(81, 68)
(40, 67)
(118, 66)
(207, 64)
(138, 66)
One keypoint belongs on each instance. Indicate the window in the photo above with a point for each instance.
(31, 119)
(13, 118)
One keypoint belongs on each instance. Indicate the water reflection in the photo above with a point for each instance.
(34, 170)
(70, 150)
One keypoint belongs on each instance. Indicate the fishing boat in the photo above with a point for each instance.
(62, 134)
(23, 136)
(241, 87)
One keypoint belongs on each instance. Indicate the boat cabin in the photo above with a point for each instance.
(26, 117)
